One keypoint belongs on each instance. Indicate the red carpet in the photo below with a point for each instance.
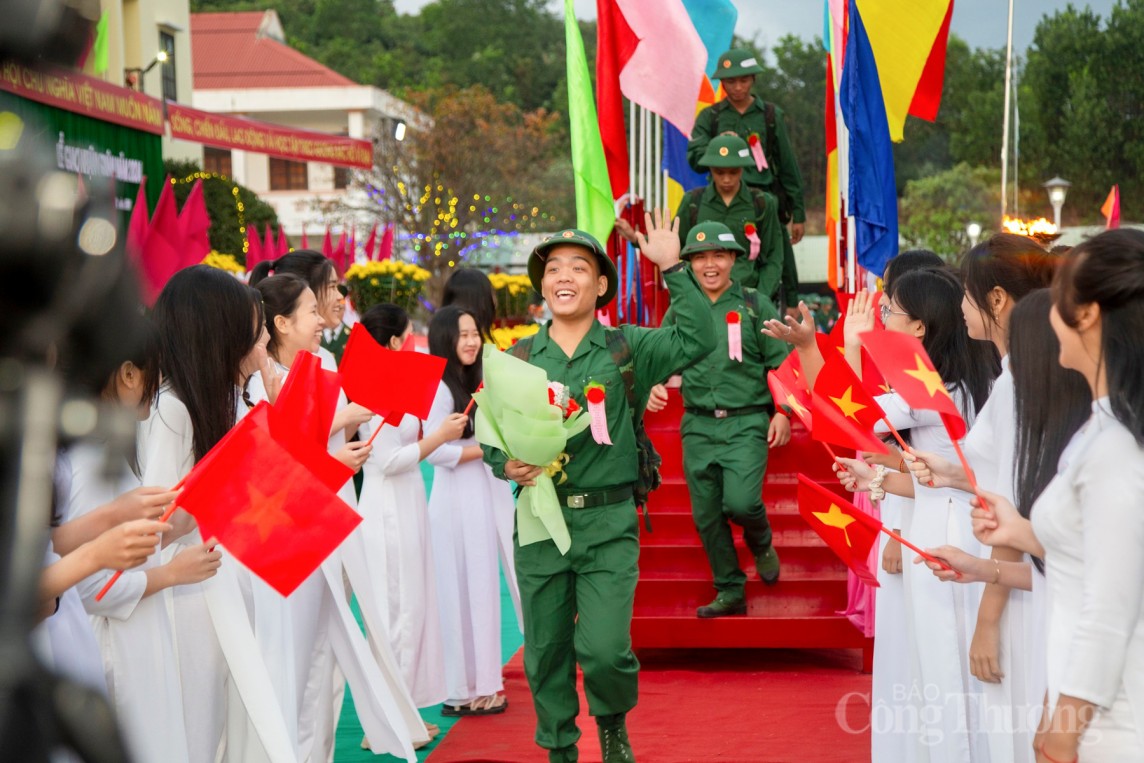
(776, 706)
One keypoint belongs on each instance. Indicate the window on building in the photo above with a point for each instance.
(286, 175)
(167, 44)
(342, 177)
(217, 160)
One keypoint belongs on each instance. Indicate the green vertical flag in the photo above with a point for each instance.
(594, 210)
(99, 49)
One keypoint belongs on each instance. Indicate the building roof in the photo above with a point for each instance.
(248, 50)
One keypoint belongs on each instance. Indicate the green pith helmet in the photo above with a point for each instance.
(727, 151)
(710, 236)
(737, 62)
(574, 237)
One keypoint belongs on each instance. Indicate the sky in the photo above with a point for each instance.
(981, 23)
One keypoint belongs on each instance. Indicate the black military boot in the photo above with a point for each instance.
(724, 604)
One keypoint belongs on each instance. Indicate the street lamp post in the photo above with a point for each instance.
(973, 230)
(137, 72)
(1058, 189)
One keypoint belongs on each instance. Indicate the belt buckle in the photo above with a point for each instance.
(576, 501)
(720, 413)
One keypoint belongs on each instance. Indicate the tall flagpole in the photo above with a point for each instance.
(1005, 121)
(657, 161)
(631, 153)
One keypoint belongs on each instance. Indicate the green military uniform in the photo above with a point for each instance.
(722, 117)
(765, 272)
(335, 340)
(578, 606)
(725, 424)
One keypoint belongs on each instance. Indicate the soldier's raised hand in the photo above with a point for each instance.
(661, 244)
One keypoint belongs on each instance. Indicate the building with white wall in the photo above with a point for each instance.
(243, 67)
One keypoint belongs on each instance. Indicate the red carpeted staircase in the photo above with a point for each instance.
(800, 611)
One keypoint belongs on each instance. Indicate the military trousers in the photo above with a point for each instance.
(724, 461)
(578, 608)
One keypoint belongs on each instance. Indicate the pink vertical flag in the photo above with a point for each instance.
(305, 238)
(283, 242)
(328, 245)
(385, 249)
(254, 253)
(370, 243)
(161, 251)
(665, 71)
(137, 226)
(194, 227)
(269, 245)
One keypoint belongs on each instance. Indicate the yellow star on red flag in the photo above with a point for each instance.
(928, 377)
(835, 517)
(265, 513)
(796, 406)
(847, 405)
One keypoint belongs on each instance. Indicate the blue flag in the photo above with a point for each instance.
(873, 196)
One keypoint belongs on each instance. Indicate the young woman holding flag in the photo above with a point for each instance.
(1086, 524)
(211, 340)
(311, 631)
(926, 304)
(395, 526)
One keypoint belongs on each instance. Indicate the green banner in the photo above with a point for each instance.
(99, 151)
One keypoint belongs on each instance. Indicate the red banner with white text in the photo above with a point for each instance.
(224, 131)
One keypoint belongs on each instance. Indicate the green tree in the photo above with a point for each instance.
(223, 197)
(935, 210)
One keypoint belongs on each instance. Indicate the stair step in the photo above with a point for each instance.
(824, 632)
(677, 528)
(787, 598)
(672, 497)
(689, 562)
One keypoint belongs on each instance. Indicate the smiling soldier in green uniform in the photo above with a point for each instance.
(726, 425)
(728, 200)
(578, 606)
(742, 113)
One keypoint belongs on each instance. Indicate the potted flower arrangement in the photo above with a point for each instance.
(512, 297)
(372, 283)
(227, 262)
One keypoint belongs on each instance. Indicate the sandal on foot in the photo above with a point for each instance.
(493, 704)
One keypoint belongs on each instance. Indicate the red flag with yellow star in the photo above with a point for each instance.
(265, 507)
(326, 469)
(390, 383)
(832, 426)
(850, 532)
(838, 384)
(309, 398)
(907, 368)
(786, 392)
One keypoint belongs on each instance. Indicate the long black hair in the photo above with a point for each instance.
(312, 267)
(280, 294)
(1051, 402)
(472, 290)
(907, 262)
(207, 323)
(1016, 264)
(1108, 270)
(386, 321)
(462, 380)
(933, 296)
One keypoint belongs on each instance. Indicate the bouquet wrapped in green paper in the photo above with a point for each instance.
(522, 414)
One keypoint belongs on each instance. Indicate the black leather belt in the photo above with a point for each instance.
(723, 413)
(593, 498)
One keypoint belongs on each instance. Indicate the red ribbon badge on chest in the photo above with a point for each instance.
(595, 393)
(757, 151)
(735, 336)
(752, 234)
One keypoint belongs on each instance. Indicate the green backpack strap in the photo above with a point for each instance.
(648, 478)
(521, 349)
(760, 199)
(751, 300)
(694, 196)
